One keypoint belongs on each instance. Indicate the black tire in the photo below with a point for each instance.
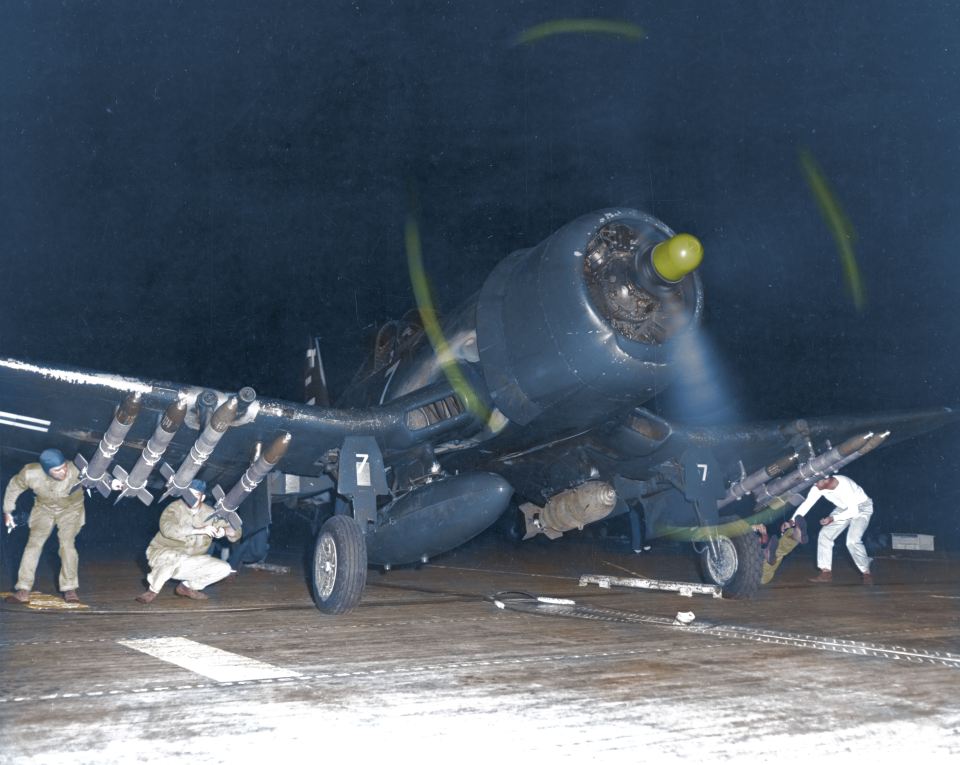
(339, 571)
(740, 566)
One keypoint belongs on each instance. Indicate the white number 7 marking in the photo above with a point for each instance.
(704, 469)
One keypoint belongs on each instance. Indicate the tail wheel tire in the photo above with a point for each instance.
(737, 563)
(339, 565)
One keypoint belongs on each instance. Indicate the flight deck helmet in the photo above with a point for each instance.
(50, 459)
(197, 490)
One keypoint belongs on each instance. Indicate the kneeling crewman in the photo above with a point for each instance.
(179, 549)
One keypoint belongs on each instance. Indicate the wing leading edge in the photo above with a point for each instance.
(74, 409)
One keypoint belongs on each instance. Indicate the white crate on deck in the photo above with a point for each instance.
(911, 541)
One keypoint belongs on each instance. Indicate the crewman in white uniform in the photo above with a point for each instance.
(854, 510)
(179, 549)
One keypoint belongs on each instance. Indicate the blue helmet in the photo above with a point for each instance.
(50, 459)
(197, 489)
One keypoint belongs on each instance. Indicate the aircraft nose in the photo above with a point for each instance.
(677, 257)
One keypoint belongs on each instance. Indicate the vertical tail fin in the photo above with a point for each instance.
(314, 380)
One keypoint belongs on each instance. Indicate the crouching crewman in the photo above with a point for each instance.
(179, 549)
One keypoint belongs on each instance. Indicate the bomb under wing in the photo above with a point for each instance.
(572, 509)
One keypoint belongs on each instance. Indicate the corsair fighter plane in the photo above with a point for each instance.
(533, 405)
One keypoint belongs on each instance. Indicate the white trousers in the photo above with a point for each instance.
(855, 527)
(195, 571)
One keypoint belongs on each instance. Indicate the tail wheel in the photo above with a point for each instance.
(736, 562)
(339, 565)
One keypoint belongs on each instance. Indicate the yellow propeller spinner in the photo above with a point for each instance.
(677, 257)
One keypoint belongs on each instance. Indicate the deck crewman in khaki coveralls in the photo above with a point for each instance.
(179, 549)
(58, 502)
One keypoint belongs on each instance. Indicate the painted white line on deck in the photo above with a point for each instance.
(206, 660)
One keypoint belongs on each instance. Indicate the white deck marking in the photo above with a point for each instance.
(206, 660)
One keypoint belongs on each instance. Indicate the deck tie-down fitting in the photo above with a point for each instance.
(686, 589)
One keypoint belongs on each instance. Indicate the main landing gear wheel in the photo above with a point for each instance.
(339, 565)
(737, 564)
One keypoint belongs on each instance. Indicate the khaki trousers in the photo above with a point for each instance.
(785, 546)
(42, 522)
(195, 571)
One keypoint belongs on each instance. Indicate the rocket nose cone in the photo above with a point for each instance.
(677, 257)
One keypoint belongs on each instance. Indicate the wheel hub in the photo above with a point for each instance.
(325, 566)
(721, 560)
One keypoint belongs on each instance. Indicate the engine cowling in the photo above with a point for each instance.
(579, 322)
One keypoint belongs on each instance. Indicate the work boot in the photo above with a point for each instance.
(824, 577)
(71, 596)
(868, 578)
(800, 529)
(19, 596)
(770, 551)
(185, 592)
(148, 597)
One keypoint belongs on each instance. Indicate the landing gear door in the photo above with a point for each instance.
(703, 484)
(362, 477)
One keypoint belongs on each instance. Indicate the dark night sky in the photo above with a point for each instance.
(188, 190)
